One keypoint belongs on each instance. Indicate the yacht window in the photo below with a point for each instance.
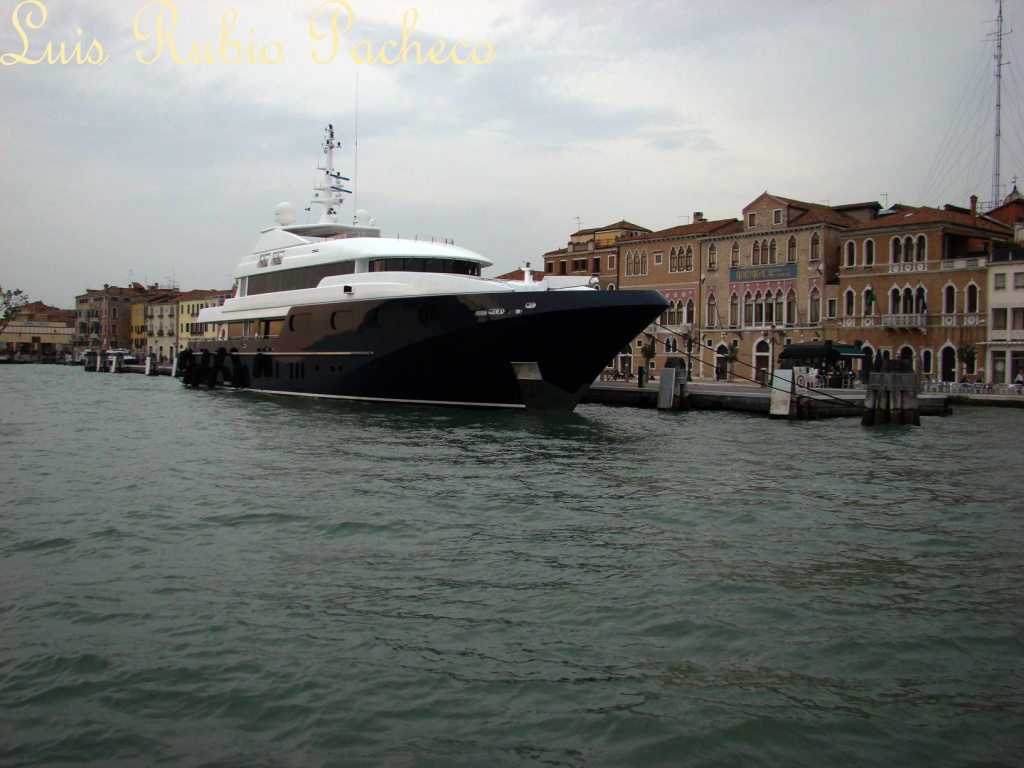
(445, 266)
(296, 279)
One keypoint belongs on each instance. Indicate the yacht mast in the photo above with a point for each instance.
(328, 193)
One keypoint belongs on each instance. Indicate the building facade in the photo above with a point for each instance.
(38, 332)
(104, 317)
(912, 285)
(189, 305)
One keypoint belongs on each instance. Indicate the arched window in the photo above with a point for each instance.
(926, 361)
(712, 320)
(780, 307)
(908, 302)
(791, 250)
(689, 311)
(896, 251)
(758, 309)
(113, 313)
(769, 308)
(851, 254)
(773, 252)
(908, 248)
(629, 263)
(921, 249)
(949, 300)
(972, 298)
(814, 306)
(869, 253)
(815, 247)
(712, 256)
(920, 303)
(734, 311)
(643, 262)
(689, 259)
(735, 258)
(869, 301)
(748, 309)
(764, 251)
(791, 313)
(755, 254)
(849, 303)
(673, 260)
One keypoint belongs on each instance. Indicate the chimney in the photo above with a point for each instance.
(698, 216)
(974, 208)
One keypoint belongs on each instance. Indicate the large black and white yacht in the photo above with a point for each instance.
(334, 310)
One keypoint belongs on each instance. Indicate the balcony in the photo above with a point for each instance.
(1006, 335)
(919, 321)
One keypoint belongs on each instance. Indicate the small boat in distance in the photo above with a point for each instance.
(335, 310)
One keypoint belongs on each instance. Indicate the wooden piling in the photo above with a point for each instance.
(891, 396)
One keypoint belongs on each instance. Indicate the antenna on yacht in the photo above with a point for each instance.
(355, 165)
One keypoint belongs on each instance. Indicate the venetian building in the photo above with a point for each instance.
(189, 305)
(911, 285)
(103, 317)
(768, 284)
(592, 252)
(673, 262)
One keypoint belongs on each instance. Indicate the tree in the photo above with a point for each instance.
(649, 350)
(10, 302)
(968, 353)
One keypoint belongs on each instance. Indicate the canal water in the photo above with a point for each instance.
(194, 578)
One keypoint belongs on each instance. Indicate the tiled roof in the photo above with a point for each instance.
(694, 229)
(201, 294)
(930, 217)
(816, 213)
(619, 225)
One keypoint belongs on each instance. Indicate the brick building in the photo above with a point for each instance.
(912, 285)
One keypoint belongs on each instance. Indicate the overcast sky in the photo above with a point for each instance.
(588, 113)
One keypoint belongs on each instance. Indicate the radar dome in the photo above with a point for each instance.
(362, 218)
(284, 214)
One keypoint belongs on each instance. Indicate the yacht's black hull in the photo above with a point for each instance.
(537, 350)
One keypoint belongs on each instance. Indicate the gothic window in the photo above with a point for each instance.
(689, 311)
(815, 247)
(896, 251)
(814, 305)
(791, 250)
(748, 309)
(712, 257)
(712, 311)
(869, 253)
(949, 300)
(734, 311)
(920, 304)
(849, 303)
(755, 255)
(735, 258)
(791, 313)
(972, 298)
